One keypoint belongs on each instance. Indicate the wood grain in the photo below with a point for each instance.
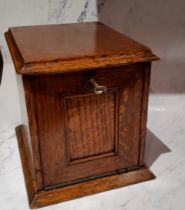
(91, 187)
(66, 48)
(90, 136)
(27, 164)
(144, 111)
(33, 133)
(50, 97)
(40, 198)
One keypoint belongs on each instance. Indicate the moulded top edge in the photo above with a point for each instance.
(72, 47)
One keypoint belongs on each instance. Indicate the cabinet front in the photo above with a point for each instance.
(84, 134)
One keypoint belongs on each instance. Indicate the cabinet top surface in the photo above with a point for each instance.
(70, 47)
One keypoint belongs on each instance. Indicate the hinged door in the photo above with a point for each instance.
(83, 134)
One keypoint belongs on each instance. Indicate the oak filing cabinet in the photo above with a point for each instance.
(84, 88)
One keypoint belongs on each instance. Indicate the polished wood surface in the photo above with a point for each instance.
(70, 47)
(90, 126)
(1, 67)
(76, 142)
(91, 187)
(27, 164)
(76, 190)
(73, 123)
(144, 110)
(31, 130)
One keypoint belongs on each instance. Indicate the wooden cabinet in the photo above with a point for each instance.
(86, 90)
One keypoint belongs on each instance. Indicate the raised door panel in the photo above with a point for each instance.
(90, 126)
(82, 134)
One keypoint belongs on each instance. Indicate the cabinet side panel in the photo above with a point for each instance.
(129, 118)
(30, 126)
(24, 143)
(144, 111)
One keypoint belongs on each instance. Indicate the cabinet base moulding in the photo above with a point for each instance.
(40, 198)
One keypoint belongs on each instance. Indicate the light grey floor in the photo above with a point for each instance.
(164, 155)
